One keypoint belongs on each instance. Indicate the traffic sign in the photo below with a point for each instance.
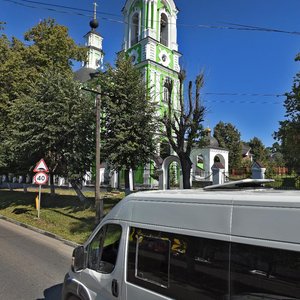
(41, 167)
(40, 178)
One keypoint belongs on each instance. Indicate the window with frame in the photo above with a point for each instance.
(153, 260)
(268, 272)
(164, 30)
(178, 266)
(135, 20)
(166, 92)
(103, 249)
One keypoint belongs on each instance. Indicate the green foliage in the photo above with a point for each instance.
(128, 125)
(52, 46)
(55, 122)
(15, 78)
(258, 150)
(183, 128)
(275, 156)
(230, 138)
(289, 129)
(22, 68)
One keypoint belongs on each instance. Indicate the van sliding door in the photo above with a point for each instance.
(164, 265)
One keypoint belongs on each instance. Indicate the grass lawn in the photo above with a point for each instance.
(62, 214)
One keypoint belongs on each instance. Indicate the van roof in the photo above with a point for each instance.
(265, 215)
(260, 197)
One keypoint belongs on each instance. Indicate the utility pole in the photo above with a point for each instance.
(98, 201)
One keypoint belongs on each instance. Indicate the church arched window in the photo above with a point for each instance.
(164, 30)
(166, 91)
(134, 29)
(166, 94)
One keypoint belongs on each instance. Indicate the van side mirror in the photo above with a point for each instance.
(78, 259)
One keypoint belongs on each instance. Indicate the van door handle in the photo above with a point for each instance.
(115, 288)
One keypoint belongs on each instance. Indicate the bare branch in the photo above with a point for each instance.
(199, 84)
(183, 127)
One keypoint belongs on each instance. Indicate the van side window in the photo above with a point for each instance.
(178, 266)
(270, 272)
(103, 249)
(153, 259)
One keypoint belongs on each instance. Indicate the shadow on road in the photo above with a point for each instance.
(53, 292)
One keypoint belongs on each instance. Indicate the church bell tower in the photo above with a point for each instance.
(151, 41)
(94, 58)
(94, 44)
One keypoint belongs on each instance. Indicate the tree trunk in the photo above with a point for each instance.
(186, 166)
(52, 187)
(127, 182)
(75, 186)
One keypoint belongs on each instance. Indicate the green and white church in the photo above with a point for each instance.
(150, 39)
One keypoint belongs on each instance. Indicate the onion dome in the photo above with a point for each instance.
(210, 140)
(94, 24)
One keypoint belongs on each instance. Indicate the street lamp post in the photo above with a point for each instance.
(98, 200)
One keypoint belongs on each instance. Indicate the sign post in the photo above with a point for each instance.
(40, 178)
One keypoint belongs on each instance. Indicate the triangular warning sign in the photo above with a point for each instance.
(41, 166)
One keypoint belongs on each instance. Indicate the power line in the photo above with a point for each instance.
(61, 6)
(245, 94)
(245, 28)
(233, 26)
(263, 102)
(243, 102)
(45, 8)
(242, 26)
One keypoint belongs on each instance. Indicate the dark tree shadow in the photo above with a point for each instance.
(53, 292)
(16, 198)
(19, 211)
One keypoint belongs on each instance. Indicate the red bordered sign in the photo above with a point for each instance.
(40, 178)
(41, 167)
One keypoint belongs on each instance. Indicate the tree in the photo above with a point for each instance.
(275, 157)
(229, 137)
(183, 128)
(258, 150)
(275, 148)
(52, 47)
(14, 79)
(55, 122)
(127, 134)
(22, 66)
(289, 129)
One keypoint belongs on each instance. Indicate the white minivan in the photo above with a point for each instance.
(239, 244)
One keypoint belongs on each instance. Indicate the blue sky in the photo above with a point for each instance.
(239, 62)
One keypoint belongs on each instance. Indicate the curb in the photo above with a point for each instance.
(46, 233)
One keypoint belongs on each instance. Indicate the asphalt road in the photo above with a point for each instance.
(32, 265)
